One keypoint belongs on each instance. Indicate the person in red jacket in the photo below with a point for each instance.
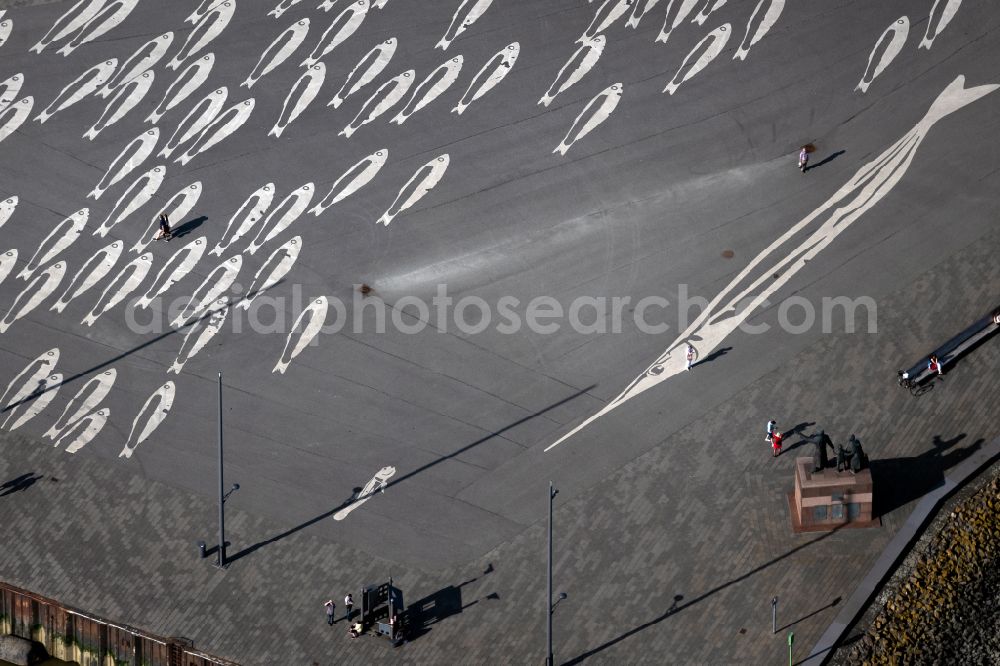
(776, 438)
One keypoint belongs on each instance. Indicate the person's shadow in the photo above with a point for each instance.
(825, 160)
(188, 227)
(718, 353)
(20, 483)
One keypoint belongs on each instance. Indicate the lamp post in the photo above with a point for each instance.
(223, 495)
(548, 598)
(774, 615)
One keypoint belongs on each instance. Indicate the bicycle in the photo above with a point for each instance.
(913, 386)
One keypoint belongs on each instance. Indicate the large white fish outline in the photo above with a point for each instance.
(189, 80)
(462, 20)
(282, 7)
(346, 23)
(127, 281)
(593, 114)
(71, 21)
(84, 430)
(718, 38)
(489, 76)
(10, 89)
(39, 288)
(138, 62)
(125, 99)
(164, 400)
(948, 13)
(430, 88)
(299, 200)
(130, 158)
(19, 113)
(61, 237)
(288, 252)
(31, 375)
(6, 26)
(420, 183)
(605, 16)
(684, 8)
(585, 58)
(204, 8)
(207, 29)
(316, 311)
(381, 101)
(707, 10)
(639, 9)
(377, 483)
(7, 261)
(32, 390)
(177, 207)
(43, 396)
(86, 399)
(196, 120)
(211, 288)
(81, 87)
(379, 57)
(138, 194)
(899, 30)
(283, 46)
(97, 266)
(767, 22)
(250, 211)
(7, 208)
(303, 92)
(178, 265)
(201, 333)
(726, 313)
(109, 16)
(221, 128)
(352, 180)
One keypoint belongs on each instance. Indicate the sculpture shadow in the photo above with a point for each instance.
(899, 481)
(718, 353)
(20, 483)
(797, 430)
(825, 160)
(423, 614)
(189, 226)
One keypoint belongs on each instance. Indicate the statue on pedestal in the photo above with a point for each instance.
(821, 440)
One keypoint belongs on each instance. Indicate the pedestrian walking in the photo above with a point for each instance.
(348, 604)
(776, 438)
(689, 355)
(771, 425)
(804, 159)
(164, 233)
(331, 609)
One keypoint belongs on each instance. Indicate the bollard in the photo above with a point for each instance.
(201, 549)
(774, 615)
(791, 639)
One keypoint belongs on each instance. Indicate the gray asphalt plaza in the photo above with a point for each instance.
(659, 169)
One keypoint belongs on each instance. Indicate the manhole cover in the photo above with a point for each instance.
(365, 290)
(728, 254)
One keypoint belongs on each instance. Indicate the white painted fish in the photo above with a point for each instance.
(381, 101)
(370, 66)
(896, 34)
(10, 89)
(352, 180)
(81, 87)
(937, 23)
(707, 10)
(46, 393)
(108, 17)
(204, 8)
(144, 58)
(119, 288)
(767, 22)
(131, 157)
(207, 29)
(213, 286)
(97, 266)
(596, 112)
(605, 16)
(84, 430)
(794, 250)
(177, 207)
(467, 13)
(7, 261)
(303, 333)
(6, 26)
(155, 409)
(282, 7)
(378, 482)
(178, 265)
(277, 265)
(684, 8)
(198, 118)
(303, 93)
(716, 42)
(189, 80)
(31, 375)
(7, 208)
(421, 182)
(283, 46)
(72, 20)
(380, 4)
(86, 399)
(61, 237)
(125, 99)
(639, 9)
(221, 128)
(342, 27)
(430, 88)
(492, 73)
(15, 114)
(581, 62)
(245, 218)
(289, 210)
(39, 288)
(200, 333)
(138, 194)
